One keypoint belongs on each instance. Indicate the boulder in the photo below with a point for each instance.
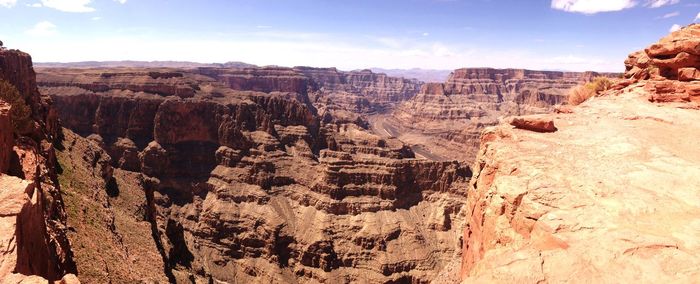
(533, 123)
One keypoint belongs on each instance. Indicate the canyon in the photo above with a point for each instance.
(269, 173)
(239, 173)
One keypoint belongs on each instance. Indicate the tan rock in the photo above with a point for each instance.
(613, 200)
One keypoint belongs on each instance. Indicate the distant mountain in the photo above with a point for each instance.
(141, 64)
(425, 75)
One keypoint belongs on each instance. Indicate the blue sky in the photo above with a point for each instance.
(574, 35)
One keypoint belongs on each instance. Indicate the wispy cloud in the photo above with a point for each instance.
(120, 1)
(43, 28)
(670, 15)
(697, 17)
(592, 6)
(661, 3)
(8, 3)
(71, 6)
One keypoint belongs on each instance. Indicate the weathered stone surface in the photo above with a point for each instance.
(533, 123)
(669, 58)
(535, 217)
(42, 248)
(688, 74)
(606, 198)
(6, 137)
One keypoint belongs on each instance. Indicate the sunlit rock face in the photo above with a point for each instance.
(269, 174)
(606, 197)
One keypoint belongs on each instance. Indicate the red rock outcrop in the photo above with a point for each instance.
(35, 245)
(608, 197)
(670, 66)
(242, 184)
(6, 137)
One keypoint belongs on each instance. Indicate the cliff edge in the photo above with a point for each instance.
(613, 195)
(33, 242)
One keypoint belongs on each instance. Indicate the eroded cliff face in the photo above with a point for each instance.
(608, 196)
(33, 231)
(251, 179)
(444, 118)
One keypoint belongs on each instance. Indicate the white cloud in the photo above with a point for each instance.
(120, 1)
(8, 3)
(35, 5)
(426, 34)
(43, 28)
(670, 15)
(675, 28)
(660, 3)
(592, 6)
(73, 6)
(697, 17)
(96, 18)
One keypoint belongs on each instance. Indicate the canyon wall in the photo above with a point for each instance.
(447, 117)
(252, 176)
(33, 228)
(603, 196)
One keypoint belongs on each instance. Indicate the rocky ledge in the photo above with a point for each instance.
(607, 197)
(33, 239)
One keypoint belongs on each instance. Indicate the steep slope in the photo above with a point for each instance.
(244, 179)
(611, 196)
(33, 228)
(444, 118)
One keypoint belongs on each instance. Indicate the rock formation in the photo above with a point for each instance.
(257, 174)
(32, 232)
(445, 117)
(669, 66)
(611, 196)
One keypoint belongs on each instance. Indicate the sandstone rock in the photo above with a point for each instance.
(42, 248)
(24, 279)
(688, 74)
(536, 218)
(6, 137)
(533, 123)
(667, 58)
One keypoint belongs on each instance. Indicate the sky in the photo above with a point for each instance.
(571, 35)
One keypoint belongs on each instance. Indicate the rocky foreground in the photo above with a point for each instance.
(34, 247)
(611, 196)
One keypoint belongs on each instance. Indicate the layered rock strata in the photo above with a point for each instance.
(608, 197)
(445, 117)
(33, 228)
(246, 180)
